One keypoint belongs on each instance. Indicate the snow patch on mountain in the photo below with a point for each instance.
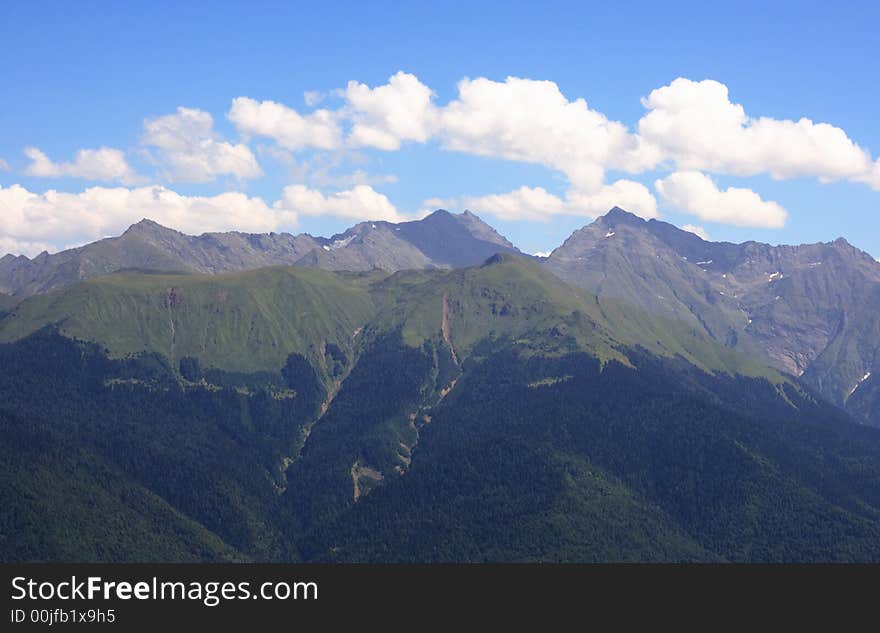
(859, 384)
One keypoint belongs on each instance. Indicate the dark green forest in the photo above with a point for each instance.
(506, 457)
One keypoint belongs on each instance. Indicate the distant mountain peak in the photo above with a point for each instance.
(146, 222)
(439, 215)
(621, 216)
(148, 226)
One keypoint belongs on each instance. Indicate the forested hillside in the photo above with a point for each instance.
(486, 413)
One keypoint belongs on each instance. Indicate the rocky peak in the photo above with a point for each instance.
(149, 228)
(439, 217)
(617, 216)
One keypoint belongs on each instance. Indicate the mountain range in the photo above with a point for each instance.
(440, 240)
(810, 310)
(424, 392)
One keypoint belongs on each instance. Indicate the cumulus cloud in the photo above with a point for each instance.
(193, 152)
(361, 202)
(515, 119)
(630, 195)
(31, 222)
(386, 116)
(695, 124)
(696, 193)
(37, 220)
(104, 164)
(525, 203)
(690, 125)
(699, 231)
(532, 121)
(536, 203)
(286, 126)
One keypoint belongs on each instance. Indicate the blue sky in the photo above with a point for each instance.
(86, 76)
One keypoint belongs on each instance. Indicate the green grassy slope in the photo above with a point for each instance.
(251, 321)
(245, 322)
(508, 297)
(512, 297)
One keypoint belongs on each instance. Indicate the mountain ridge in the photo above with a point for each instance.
(809, 310)
(441, 239)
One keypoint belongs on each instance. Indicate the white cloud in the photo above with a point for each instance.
(4, 166)
(517, 119)
(696, 193)
(542, 253)
(697, 126)
(525, 203)
(41, 165)
(192, 150)
(532, 121)
(385, 116)
(104, 164)
(627, 194)
(536, 203)
(361, 202)
(692, 125)
(286, 126)
(56, 218)
(699, 231)
(32, 222)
